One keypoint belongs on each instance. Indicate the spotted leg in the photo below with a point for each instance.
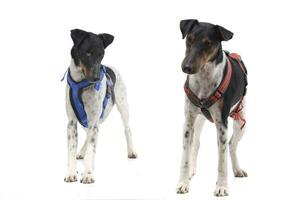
(198, 126)
(82, 151)
(89, 158)
(222, 187)
(71, 175)
(233, 143)
(188, 132)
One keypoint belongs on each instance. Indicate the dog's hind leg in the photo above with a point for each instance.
(198, 126)
(72, 147)
(188, 134)
(238, 132)
(82, 151)
(122, 105)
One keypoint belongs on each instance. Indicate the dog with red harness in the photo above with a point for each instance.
(215, 90)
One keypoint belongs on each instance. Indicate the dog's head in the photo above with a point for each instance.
(203, 44)
(88, 51)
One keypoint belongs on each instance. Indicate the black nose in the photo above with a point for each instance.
(187, 69)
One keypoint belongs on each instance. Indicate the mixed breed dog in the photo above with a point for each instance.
(215, 88)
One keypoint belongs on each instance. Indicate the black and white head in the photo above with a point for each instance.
(88, 51)
(203, 44)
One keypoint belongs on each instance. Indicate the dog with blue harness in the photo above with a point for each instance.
(77, 87)
(92, 91)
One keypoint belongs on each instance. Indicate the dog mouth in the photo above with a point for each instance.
(92, 79)
(90, 73)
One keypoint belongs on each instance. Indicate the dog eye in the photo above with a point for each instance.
(208, 43)
(88, 54)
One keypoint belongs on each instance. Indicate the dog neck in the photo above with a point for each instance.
(207, 80)
(76, 73)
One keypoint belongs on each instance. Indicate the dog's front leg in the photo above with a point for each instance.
(222, 187)
(198, 126)
(188, 134)
(89, 158)
(72, 148)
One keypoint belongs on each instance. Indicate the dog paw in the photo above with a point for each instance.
(132, 155)
(221, 191)
(87, 178)
(182, 188)
(79, 157)
(70, 178)
(240, 173)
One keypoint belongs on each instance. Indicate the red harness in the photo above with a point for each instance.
(204, 104)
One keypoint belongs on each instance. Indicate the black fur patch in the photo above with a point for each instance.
(236, 89)
(112, 76)
(92, 140)
(186, 135)
(88, 50)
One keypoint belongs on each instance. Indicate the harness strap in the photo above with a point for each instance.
(75, 98)
(76, 89)
(215, 96)
(236, 114)
(63, 78)
(238, 58)
(204, 104)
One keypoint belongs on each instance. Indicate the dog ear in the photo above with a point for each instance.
(106, 38)
(187, 25)
(224, 33)
(78, 35)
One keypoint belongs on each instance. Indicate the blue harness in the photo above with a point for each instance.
(76, 90)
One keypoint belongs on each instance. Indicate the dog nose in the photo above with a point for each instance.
(187, 69)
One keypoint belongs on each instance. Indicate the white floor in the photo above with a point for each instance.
(35, 170)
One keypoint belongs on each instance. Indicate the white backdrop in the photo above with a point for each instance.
(35, 48)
